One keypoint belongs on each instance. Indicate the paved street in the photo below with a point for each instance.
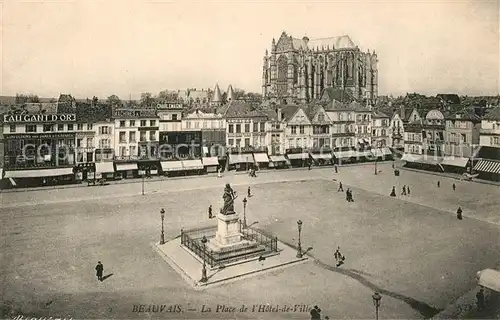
(411, 248)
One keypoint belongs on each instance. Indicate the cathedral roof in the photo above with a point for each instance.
(217, 95)
(341, 42)
(338, 94)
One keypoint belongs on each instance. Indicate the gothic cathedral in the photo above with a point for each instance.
(298, 70)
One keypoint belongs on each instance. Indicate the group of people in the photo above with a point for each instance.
(252, 173)
(348, 195)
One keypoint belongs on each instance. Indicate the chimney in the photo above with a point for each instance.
(402, 108)
(280, 114)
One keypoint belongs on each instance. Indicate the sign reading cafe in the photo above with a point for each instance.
(16, 118)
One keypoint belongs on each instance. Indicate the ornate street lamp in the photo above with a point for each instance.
(376, 302)
(162, 238)
(204, 270)
(245, 212)
(299, 249)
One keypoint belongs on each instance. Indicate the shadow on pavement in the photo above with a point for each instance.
(107, 276)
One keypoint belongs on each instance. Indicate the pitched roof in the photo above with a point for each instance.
(338, 94)
(242, 109)
(230, 93)
(85, 112)
(341, 42)
(217, 97)
(450, 98)
(379, 114)
(50, 108)
(493, 114)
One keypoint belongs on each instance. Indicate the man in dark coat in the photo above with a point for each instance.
(315, 313)
(403, 193)
(336, 169)
(249, 192)
(340, 187)
(439, 183)
(408, 189)
(393, 192)
(454, 187)
(99, 268)
(210, 216)
(480, 299)
(459, 213)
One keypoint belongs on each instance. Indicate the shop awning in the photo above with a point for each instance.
(489, 278)
(344, 154)
(104, 167)
(261, 157)
(126, 166)
(39, 173)
(210, 161)
(324, 156)
(240, 158)
(167, 166)
(298, 156)
(410, 157)
(488, 166)
(363, 153)
(278, 158)
(192, 164)
(455, 161)
(1, 173)
(425, 159)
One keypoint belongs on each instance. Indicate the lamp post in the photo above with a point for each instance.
(245, 212)
(204, 270)
(376, 302)
(376, 166)
(162, 237)
(299, 249)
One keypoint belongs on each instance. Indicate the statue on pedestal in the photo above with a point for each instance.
(229, 196)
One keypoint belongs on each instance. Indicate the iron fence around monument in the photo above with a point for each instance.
(267, 240)
(263, 244)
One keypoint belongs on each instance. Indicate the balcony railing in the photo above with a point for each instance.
(490, 131)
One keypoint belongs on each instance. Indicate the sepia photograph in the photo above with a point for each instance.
(249, 159)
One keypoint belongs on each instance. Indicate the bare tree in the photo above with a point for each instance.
(169, 96)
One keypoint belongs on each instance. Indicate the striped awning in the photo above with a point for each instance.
(104, 167)
(210, 161)
(298, 156)
(192, 164)
(324, 156)
(167, 166)
(278, 158)
(261, 157)
(491, 166)
(455, 161)
(39, 173)
(126, 166)
(240, 158)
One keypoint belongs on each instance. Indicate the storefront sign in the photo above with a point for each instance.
(39, 136)
(30, 118)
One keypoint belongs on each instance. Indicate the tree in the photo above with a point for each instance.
(26, 98)
(146, 99)
(168, 96)
(113, 100)
(238, 93)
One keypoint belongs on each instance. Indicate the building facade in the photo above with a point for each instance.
(380, 130)
(462, 134)
(300, 69)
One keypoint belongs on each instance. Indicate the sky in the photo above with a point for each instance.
(126, 47)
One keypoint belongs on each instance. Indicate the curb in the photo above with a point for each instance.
(450, 175)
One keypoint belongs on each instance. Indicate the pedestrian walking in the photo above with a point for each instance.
(403, 192)
(249, 192)
(339, 257)
(454, 186)
(210, 216)
(340, 187)
(336, 169)
(309, 164)
(439, 183)
(218, 172)
(459, 213)
(480, 299)
(408, 189)
(393, 165)
(393, 192)
(99, 268)
(347, 197)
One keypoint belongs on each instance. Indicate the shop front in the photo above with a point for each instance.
(211, 164)
(298, 157)
(126, 170)
(192, 167)
(261, 160)
(172, 168)
(40, 177)
(241, 162)
(488, 169)
(278, 162)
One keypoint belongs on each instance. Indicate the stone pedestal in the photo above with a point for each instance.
(228, 229)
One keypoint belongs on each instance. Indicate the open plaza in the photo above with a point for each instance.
(410, 248)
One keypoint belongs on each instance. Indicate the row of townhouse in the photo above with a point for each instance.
(91, 140)
(452, 142)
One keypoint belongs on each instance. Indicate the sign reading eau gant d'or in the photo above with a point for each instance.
(16, 118)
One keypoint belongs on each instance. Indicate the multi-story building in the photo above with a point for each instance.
(342, 124)
(39, 146)
(298, 130)
(380, 129)
(300, 69)
(462, 134)
(212, 127)
(136, 133)
(400, 118)
(488, 166)
(362, 125)
(413, 141)
(246, 125)
(433, 133)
